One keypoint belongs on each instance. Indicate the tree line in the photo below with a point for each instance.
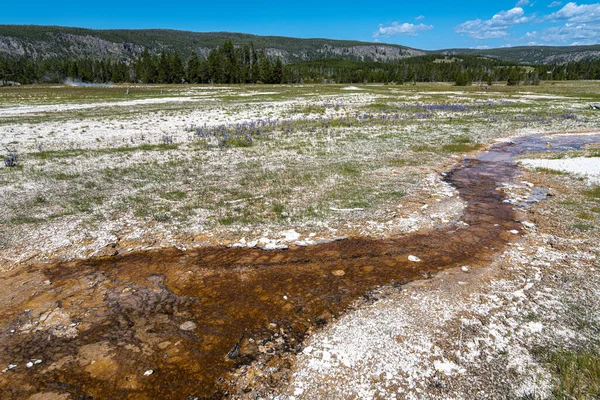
(229, 64)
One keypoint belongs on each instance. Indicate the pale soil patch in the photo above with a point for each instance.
(588, 167)
(21, 110)
(543, 96)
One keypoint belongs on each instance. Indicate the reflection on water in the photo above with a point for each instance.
(167, 324)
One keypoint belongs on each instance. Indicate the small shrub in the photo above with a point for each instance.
(162, 216)
(167, 139)
(278, 208)
(12, 159)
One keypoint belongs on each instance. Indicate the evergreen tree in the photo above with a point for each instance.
(265, 68)
(193, 69)
(215, 74)
(278, 71)
(177, 70)
(229, 63)
(462, 79)
(254, 69)
(514, 77)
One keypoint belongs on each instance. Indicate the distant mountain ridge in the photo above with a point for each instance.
(34, 41)
(51, 41)
(535, 54)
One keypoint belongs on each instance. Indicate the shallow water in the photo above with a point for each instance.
(98, 325)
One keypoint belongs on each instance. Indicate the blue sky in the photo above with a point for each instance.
(422, 24)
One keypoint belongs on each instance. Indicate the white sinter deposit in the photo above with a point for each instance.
(588, 167)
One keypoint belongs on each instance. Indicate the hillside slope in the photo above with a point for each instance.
(53, 41)
(535, 54)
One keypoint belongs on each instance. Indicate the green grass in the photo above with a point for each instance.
(402, 162)
(56, 154)
(143, 147)
(461, 139)
(578, 374)
(549, 171)
(277, 208)
(68, 153)
(20, 219)
(585, 216)
(583, 227)
(460, 147)
(350, 169)
(61, 176)
(593, 193)
(309, 109)
(84, 203)
(228, 220)
(446, 148)
(162, 216)
(176, 195)
(594, 153)
(568, 203)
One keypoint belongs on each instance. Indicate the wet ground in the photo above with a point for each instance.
(168, 323)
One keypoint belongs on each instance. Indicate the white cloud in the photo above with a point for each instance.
(573, 13)
(570, 33)
(496, 27)
(555, 4)
(420, 17)
(522, 3)
(530, 36)
(405, 28)
(581, 25)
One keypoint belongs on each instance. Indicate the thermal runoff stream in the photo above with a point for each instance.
(167, 324)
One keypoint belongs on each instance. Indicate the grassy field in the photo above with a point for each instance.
(172, 163)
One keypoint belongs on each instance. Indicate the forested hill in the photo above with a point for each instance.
(535, 54)
(73, 43)
(45, 42)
